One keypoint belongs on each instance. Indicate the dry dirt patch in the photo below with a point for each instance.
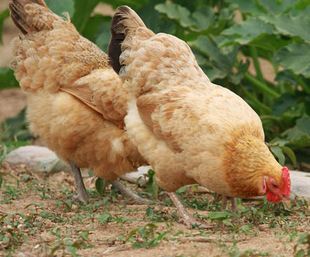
(101, 227)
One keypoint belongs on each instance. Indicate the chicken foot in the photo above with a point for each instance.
(186, 218)
(82, 194)
(224, 202)
(130, 196)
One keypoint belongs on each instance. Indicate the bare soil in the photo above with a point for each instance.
(106, 239)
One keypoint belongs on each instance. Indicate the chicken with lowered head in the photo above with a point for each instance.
(76, 103)
(187, 128)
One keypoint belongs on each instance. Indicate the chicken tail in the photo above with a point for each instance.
(31, 15)
(124, 22)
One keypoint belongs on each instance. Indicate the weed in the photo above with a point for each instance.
(65, 242)
(12, 233)
(303, 240)
(145, 236)
(156, 215)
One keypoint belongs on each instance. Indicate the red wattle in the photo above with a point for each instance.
(271, 197)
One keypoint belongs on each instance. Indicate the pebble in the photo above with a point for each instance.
(138, 177)
(36, 158)
(300, 184)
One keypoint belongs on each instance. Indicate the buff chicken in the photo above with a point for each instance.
(190, 130)
(76, 103)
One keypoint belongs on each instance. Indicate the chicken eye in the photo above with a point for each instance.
(275, 185)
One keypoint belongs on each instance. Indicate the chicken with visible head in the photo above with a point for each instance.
(189, 129)
(75, 102)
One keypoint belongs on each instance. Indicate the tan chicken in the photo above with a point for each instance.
(76, 102)
(189, 129)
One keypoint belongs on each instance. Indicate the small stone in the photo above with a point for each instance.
(138, 177)
(300, 184)
(36, 158)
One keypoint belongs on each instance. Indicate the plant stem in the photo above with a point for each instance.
(270, 117)
(261, 85)
(258, 70)
(257, 102)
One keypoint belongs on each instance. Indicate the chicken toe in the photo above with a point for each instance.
(130, 196)
(82, 194)
(186, 218)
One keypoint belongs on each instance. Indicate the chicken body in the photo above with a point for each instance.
(189, 129)
(76, 102)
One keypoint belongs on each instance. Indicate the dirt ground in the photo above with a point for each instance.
(47, 216)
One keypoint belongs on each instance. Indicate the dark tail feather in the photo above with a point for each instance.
(19, 15)
(125, 20)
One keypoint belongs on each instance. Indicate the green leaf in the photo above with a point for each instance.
(289, 152)
(101, 184)
(16, 127)
(210, 48)
(277, 6)
(276, 150)
(248, 30)
(203, 17)
(290, 25)
(269, 42)
(302, 4)
(183, 188)
(134, 4)
(295, 57)
(61, 7)
(7, 78)
(103, 37)
(301, 253)
(176, 13)
(249, 6)
(283, 103)
(151, 185)
(82, 13)
(96, 25)
(3, 16)
(104, 218)
(299, 135)
(225, 214)
(155, 22)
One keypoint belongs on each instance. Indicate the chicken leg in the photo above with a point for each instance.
(129, 195)
(224, 202)
(82, 194)
(186, 218)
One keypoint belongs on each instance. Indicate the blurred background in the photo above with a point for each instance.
(258, 49)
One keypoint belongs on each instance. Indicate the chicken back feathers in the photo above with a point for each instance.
(189, 129)
(76, 102)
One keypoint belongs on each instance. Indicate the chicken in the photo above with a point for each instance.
(76, 103)
(187, 128)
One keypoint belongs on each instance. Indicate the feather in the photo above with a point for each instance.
(124, 21)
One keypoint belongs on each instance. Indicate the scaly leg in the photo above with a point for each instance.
(82, 194)
(130, 196)
(186, 218)
(224, 202)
